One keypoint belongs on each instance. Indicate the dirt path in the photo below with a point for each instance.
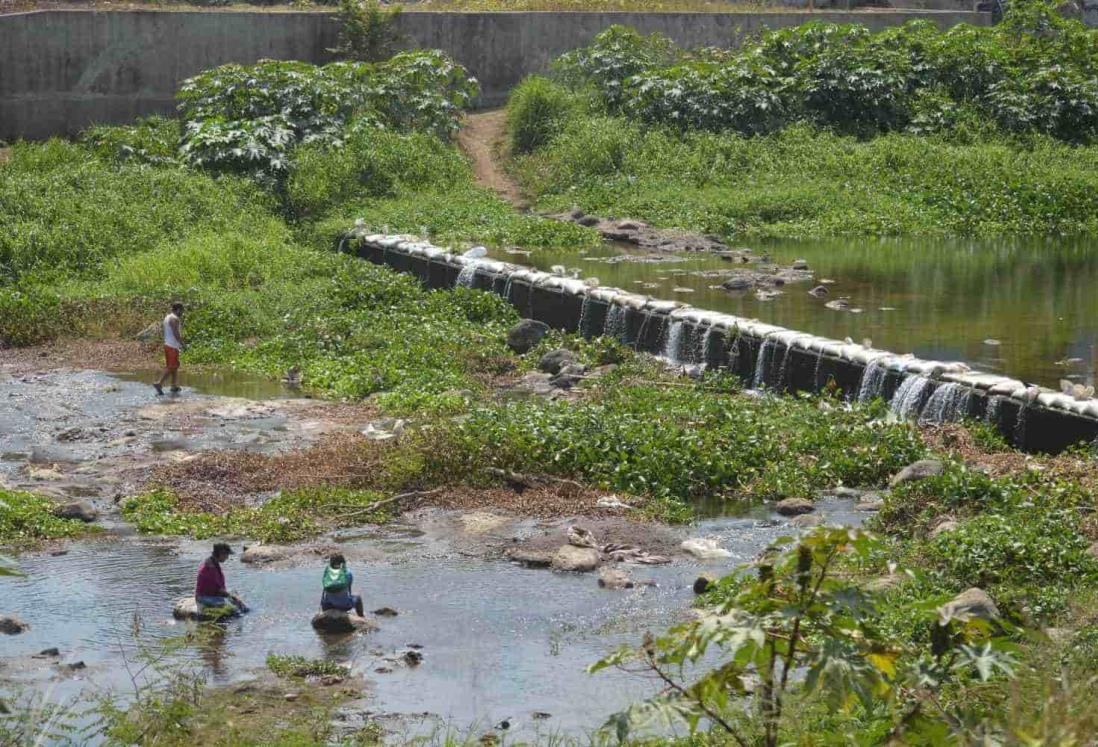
(481, 137)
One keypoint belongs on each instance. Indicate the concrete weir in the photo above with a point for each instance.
(763, 355)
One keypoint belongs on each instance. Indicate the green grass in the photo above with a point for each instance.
(298, 667)
(26, 518)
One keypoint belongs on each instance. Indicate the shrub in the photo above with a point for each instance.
(152, 140)
(367, 32)
(537, 110)
(26, 517)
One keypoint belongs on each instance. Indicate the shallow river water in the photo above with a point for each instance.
(1023, 307)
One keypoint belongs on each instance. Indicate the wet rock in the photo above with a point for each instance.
(290, 697)
(588, 220)
(612, 578)
(47, 653)
(629, 225)
(553, 361)
(704, 548)
(839, 304)
(569, 376)
(737, 283)
(572, 558)
(525, 335)
(794, 506)
(974, 602)
(704, 583)
(76, 666)
(540, 715)
(260, 554)
(337, 621)
(186, 608)
(819, 291)
(412, 658)
(806, 521)
(532, 558)
(386, 612)
(870, 503)
(919, 470)
(884, 583)
(948, 525)
(12, 625)
(800, 264)
(81, 510)
(383, 429)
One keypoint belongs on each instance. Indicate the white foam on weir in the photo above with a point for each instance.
(761, 365)
(585, 315)
(467, 276)
(672, 346)
(614, 325)
(905, 402)
(994, 412)
(948, 404)
(873, 382)
(709, 344)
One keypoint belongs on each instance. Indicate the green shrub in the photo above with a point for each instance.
(536, 111)
(152, 140)
(26, 517)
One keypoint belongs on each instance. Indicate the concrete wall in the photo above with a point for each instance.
(62, 70)
(763, 355)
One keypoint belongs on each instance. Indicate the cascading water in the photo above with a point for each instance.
(763, 363)
(906, 400)
(614, 326)
(507, 288)
(994, 413)
(467, 276)
(948, 404)
(873, 382)
(816, 370)
(672, 346)
(585, 318)
(783, 370)
(711, 346)
(1020, 426)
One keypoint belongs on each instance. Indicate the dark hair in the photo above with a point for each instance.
(177, 306)
(222, 548)
(337, 560)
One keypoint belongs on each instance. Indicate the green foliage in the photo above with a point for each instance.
(367, 31)
(298, 667)
(680, 443)
(152, 140)
(26, 517)
(536, 111)
(288, 517)
(798, 612)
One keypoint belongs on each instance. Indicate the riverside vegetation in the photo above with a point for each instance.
(825, 130)
(237, 209)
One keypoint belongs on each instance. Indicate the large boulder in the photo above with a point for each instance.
(974, 602)
(260, 554)
(704, 548)
(81, 510)
(186, 608)
(568, 376)
(919, 470)
(525, 335)
(337, 621)
(532, 558)
(553, 361)
(794, 506)
(613, 578)
(572, 558)
(12, 625)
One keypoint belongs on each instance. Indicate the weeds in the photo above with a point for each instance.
(26, 518)
(298, 667)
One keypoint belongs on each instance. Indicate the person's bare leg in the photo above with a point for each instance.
(175, 379)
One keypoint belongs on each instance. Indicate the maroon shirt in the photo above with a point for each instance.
(211, 581)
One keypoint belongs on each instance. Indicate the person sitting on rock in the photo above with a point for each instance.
(209, 589)
(337, 587)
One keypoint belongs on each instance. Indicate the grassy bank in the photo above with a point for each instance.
(824, 130)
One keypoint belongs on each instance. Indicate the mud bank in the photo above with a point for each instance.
(764, 355)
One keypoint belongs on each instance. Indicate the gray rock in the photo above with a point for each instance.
(704, 583)
(588, 220)
(186, 608)
(612, 578)
(12, 625)
(48, 653)
(260, 554)
(81, 510)
(884, 583)
(973, 602)
(337, 621)
(532, 558)
(800, 264)
(1092, 551)
(852, 494)
(819, 291)
(919, 470)
(525, 335)
(806, 521)
(794, 506)
(569, 376)
(572, 558)
(386, 612)
(948, 525)
(737, 284)
(870, 503)
(629, 225)
(553, 361)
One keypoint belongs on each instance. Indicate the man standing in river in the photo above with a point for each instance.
(173, 344)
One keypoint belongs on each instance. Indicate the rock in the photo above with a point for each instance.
(553, 361)
(12, 625)
(704, 583)
(48, 653)
(794, 506)
(569, 376)
(819, 291)
(259, 554)
(800, 264)
(884, 583)
(948, 525)
(612, 578)
(1058, 635)
(412, 658)
(588, 220)
(572, 558)
(629, 225)
(525, 335)
(1092, 551)
(839, 304)
(973, 602)
(852, 494)
(532, 558)
(540, 715)
(290, 697)
(81, 510)
(76, 666)
(186, 608)
(337, 621)
(704, 548)
(870, 503)
(736, 284)
(386, 612)
(383, 429)
(805, 521)
(919, 470)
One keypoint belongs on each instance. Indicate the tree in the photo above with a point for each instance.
(368, 32)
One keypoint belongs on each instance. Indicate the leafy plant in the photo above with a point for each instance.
(367, 32)
(298, 667)
(26, 517)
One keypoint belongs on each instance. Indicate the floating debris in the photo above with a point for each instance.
(992, 342)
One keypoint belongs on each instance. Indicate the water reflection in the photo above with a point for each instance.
(935, 298)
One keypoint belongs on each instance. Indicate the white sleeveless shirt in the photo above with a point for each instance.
(170, 340)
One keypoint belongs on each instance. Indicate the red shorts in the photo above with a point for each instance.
(171, 358)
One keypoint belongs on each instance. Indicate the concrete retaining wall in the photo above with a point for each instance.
(62, 70)
(763, 355)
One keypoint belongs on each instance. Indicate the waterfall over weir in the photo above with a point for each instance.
(873, 382)
(615, 323)
(948, 404)
(908, 399)
(764, 363)
(672, 346)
